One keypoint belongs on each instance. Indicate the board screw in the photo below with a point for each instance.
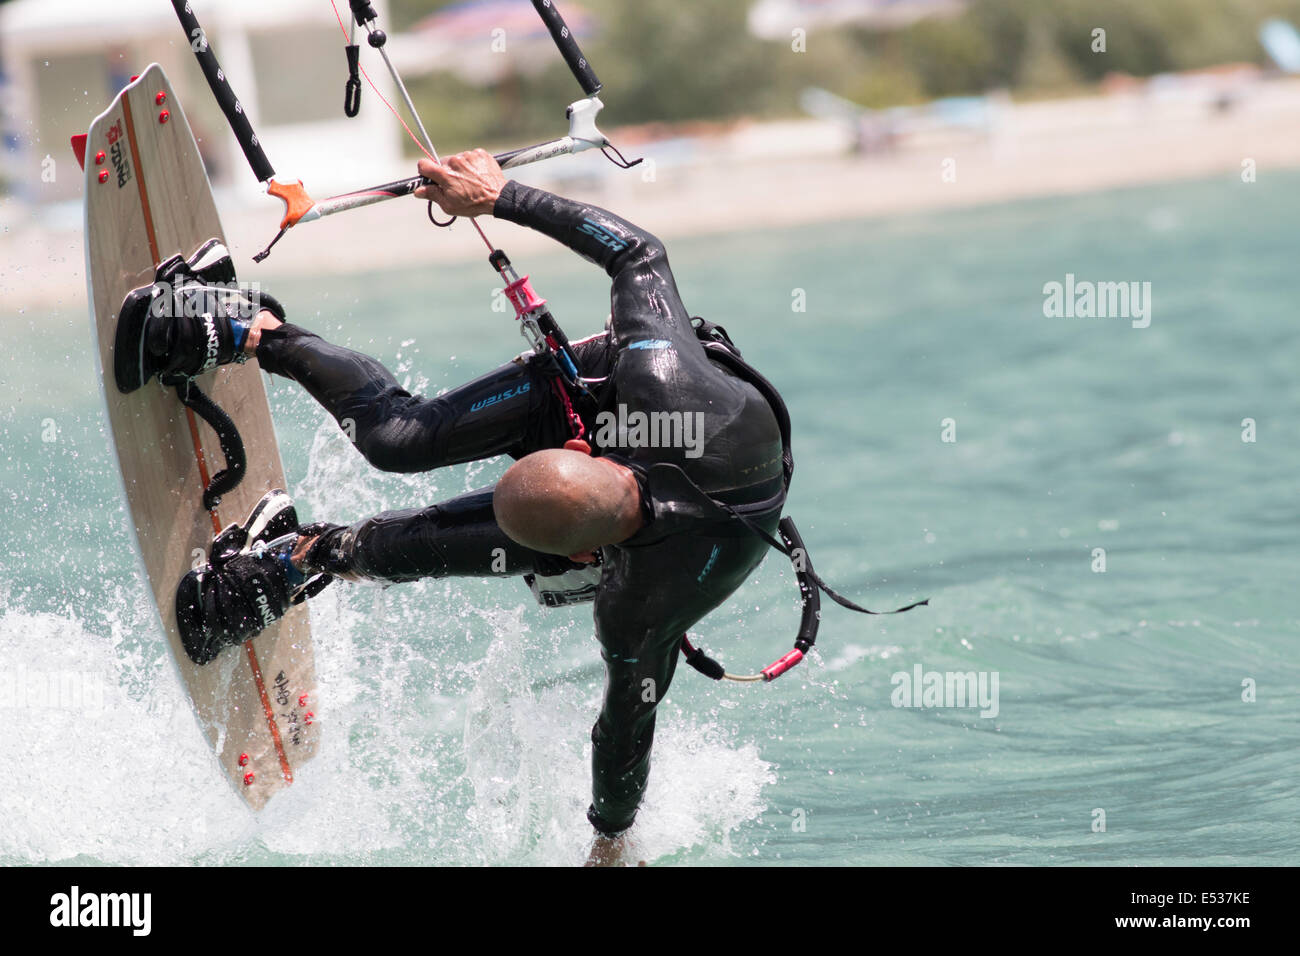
(310, 717)
(243, 760)
(103, 175)
(99, 158)
(302, 700)
(248, 779)
(164, 116)
(161, 98)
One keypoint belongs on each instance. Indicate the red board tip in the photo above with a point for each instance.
(79, 147)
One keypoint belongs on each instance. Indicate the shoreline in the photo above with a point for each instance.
(752, 176)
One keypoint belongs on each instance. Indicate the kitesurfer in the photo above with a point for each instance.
(639, 527)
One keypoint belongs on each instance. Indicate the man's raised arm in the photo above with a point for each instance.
(472, 184)
(644, 300)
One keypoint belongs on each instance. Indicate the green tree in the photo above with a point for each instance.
(948, 56)
(682, 61)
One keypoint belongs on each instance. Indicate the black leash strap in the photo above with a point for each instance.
(717, 343)
(808, 623)
(792, 546)
(564, 39)
(701, 661)
(226, 98)
(232, 446)
(802, 559)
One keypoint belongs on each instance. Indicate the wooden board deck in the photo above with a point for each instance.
(258, 700)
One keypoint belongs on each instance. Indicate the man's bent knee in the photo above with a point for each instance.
(401, 446)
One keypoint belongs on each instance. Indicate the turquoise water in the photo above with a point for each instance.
(456, 712)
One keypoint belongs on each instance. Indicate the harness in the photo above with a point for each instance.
(690, 503)
(717, 343)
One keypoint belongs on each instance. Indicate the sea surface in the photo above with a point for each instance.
(1097, 535)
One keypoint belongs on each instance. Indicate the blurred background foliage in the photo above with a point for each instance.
(683, 60)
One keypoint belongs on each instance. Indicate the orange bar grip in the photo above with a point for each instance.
(296, 201)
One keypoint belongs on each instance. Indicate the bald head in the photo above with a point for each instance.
(565, 502)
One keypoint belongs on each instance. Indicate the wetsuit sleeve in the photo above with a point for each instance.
(645, 303)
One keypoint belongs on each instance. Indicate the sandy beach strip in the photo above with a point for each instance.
(748, 176)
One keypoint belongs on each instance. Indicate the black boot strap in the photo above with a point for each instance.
(232, 446)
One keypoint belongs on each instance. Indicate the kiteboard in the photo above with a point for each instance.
(147, 199)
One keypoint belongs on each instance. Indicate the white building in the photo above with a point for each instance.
(66, 60)
(775, 19)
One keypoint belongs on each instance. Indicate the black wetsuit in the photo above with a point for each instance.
(652, 587)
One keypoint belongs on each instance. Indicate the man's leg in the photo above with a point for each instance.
(181, 325)
(640, 631)
(458, 538)
(508, 411)
(256, 570)
(505, 411)
(511, 411)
